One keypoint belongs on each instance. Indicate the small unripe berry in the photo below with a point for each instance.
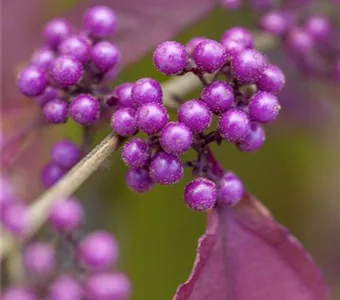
(264, 107)
(272, 80)
(135, 153)
(56, 31)
(65, 287)
(200, 194)
(139, 180)
(124, 121)
(229, 189)
(151, 118)
(42, 57)
(77, 47)
(84, 109)
(56, 111)
(32, 81)
(146, 90)
(253, 140)
(65, 153)
(50, 174)
(104, 56)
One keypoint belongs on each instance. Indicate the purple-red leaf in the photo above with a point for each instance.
(246, 255)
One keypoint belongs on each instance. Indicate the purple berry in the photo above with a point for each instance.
(146, 90)
(18, 293)
(97, 251)
(176, 138)
(107, 286)
(139, 180)
(166, 168)
(56, 111)
(124, 122)
(77, 47)
(231, 4)
(15, 218)
(229, 189)
(195, 114)
(65, 153)
(170, 58)
(193, 43)
(236, 39)
(32, 81)
(65, 287)
(66, 215)
(65, 71)
(219, 96)
(276, 22)
(200, 194)
(49, 94)
(135, 153)
(104, 56)
(248, 65)
(254, 140)
(264, 107)
(272, 80)
(100, 21)
(209, 56)
(7, 193)
(84, 109)
(298, 41)
(56, 31)
(319, 28)
(234, 125)
(51, 173)
(39, 259)
(124, 94)
(151, 118)
(42, 57)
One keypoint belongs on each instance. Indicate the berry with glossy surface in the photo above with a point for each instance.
(66, 216)
(56, 31)
(18, 293)
(56, 111)
(176, 138)
(100, 21)
(65, 71)
(276, 22)
(65, 153)
(200, 194)
(124, 121)
(77, 47)
(139, 180)
(264, 107)
(135, 153)
(195, 114)
(170, 57)
(236, 39)
(51, 173)
(32, 81)
(166, 168)
(193, 43)
(248, 65)
(65, 287)
(97, 251)
(107, 286)
(318, 27)
(209, 56)
(146, 90)
(229, 189)
(219, 96)
(42, 57)
(104, 56)
(123, 92)
(253, 140)
(234, 125)
(151, 118)
(272, 80)
(84, 109)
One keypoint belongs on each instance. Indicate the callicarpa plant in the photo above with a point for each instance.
(49, 248)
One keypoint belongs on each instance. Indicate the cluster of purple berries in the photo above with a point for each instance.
(87, 273)
(242, 95)
(65, 74)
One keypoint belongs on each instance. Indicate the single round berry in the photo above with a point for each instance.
(272, 80)
(84, 109)
(229, 189)
(100, 21)
(176, 138)
(195, 114)
(97, 251)
(166, 168)
(50, 174)
(105, 286)
(32, 81)
(67, 215)
(219, 96)
(65, 287)
(77, 47)
(56, 111)
(139, 180)
(104, 56)
(18, 293)
(248, 66)
(253, 140)
(231, 4)
(39, 259)
(298, 41)
(124, 121)
(49, 94)
(42, 57)
(234, 125)
(123, 92)
(193, 43)
(319, 28)
(264, 107)
(200, 194)
(209, 56)
(56, 31)
(135, 153)
(65, 153)
(65, 71)
(151, 118)
(15, 218)
(236, 39)
(276, 22)
(146, 90)
(170, 58)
